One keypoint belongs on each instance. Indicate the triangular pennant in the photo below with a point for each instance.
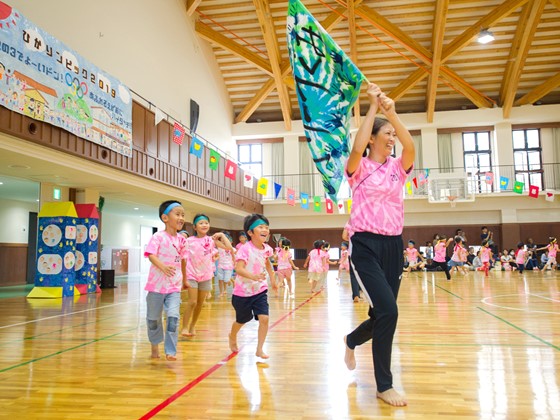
(534, 191)
(277, 188)
(231, 170)
(247, 180)
(341, 208)
(262, 186)
(291, 197)
(329, 206)
(197, 147)
(160, 115)
(304, 200)
(518, 187)
(317, 204)
(415, 182)
(178, 133)
(214, 160)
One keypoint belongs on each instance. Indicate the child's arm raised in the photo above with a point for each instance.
(222, 241)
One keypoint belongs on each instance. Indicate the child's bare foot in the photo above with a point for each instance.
(186, 333)
(233, 344)
(261, 354)
(155, 352)
(349, 357)
(392, 397)
(170, 357)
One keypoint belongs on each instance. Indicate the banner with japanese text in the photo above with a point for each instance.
(44, 79)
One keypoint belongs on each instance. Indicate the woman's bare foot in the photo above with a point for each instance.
(233, 344)
(170, 357)
(392, 397)
(155, 351)
(261, 354)
(349, 358)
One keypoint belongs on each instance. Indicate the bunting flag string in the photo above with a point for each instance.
(214, 160)
(247, 180)
(197, 147)
(277, 188)
(291, 197)
(231, 170)
(178, 133)
(317, 204)
(262, 186)
(304, 200)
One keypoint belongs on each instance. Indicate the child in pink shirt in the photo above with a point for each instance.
(167, 252)
(343, 262)
(412, 255)
(285, 265)
(252, 264)
(200, 268)
(520, 257)
(552, 248)
(316, 262)
(485, 254)
(225, 266)
(440, 251)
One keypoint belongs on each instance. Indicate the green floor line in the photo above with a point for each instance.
(521, 329)
(65, 350)
(445, 290)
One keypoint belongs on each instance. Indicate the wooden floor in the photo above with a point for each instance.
(469, 348)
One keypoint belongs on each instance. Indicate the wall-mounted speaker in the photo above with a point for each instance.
(195, 110)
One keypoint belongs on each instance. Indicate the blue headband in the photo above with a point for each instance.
(171, 207)
(256, 223)
(199, 218)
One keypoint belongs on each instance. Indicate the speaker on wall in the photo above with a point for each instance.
(194, 115)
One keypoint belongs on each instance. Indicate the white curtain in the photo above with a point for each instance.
(445, 153)
(306, 167)
(556, 151)
(418, 146)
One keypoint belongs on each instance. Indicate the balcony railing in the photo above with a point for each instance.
(546, 177)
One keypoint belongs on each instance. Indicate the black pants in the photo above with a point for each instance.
(353, 282)
(444, 267)
(377, 264)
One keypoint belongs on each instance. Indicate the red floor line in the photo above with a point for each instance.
(214, 368)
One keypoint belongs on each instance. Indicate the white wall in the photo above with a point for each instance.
(14, 219)
(151, 46)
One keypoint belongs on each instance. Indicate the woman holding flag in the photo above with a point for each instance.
(376, 220)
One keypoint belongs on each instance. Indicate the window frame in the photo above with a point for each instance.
(478, 179)
(249, 164)
(526, 150)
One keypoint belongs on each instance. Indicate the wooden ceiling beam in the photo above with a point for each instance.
(353, 53)
(555, 3)
(542, 90)
(192, 5)
(269, 33)
(206, 32)
(256, 101)
(526, 28)
(437, 48)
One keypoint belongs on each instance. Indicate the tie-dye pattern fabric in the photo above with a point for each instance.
(255, 262)
(200, 266)
(170, 250)
(327, 85)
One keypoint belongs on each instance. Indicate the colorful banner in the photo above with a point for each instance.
(178, 133)
(262, 186)
(247, 180)
(415, 180)
(231, 170)
(304, 200)
(422, 179)
(44, 79)
(317, 204)
(277, 188)
(160, 115)
(349, 205)
(329, 206)
(549, 196)
(534, 191)
(214, 160)
(291, 197)
(504, 181)
(408, 188)
(341, 208)
(489, 178)
(197, 147)
(327, 84)
(518, 187)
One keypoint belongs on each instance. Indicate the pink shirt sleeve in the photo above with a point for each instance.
(153, 246)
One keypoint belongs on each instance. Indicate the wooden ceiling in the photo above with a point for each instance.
(425, 53)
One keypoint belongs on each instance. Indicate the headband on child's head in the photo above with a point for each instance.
(171, 207)
(199, 218)
(256, 223)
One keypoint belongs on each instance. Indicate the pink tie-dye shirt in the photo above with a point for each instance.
(200, 265)
(170, 250)
(255, 262)
(411, 255)
(315, 261)
(225, 259)
(439, 252)
(377, 197)
(520, 256)
(552, 250)
(284, 258)
(485, 254)
(326, 258)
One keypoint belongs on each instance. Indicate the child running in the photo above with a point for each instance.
(344, 262)
(285, 265)
(439, 254)
(167, 252)
(485, 257)
(250, 291)
(200, 269)
(242, 240)
(552, 248)
(459, 256)
(225, 266)
(521, 257)
(315, 259)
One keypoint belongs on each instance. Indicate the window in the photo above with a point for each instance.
(527, 157)
(478, 160)
(250, 158)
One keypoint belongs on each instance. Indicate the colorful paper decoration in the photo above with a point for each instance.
(178, 133)
(214, 160)
(247, 180)
(87, 244)
(415, 182)
(341, 208)
(409, 188)
(349, 205)
(304, 200)
(262, 186)
(534, 191)
(549, 196)
(197, 147)
(504, 181)
(317, 204)
(160, 115)
(489, 178)
(518, 187)
(329, 206)
(277, 188)
(231, 170)
(422, 178)
(291, 197)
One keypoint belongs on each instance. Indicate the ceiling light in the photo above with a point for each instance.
(485, 36)
(136, 208)
(19, 167)
(1, 183)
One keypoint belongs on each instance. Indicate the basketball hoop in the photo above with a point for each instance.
(452, 200)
